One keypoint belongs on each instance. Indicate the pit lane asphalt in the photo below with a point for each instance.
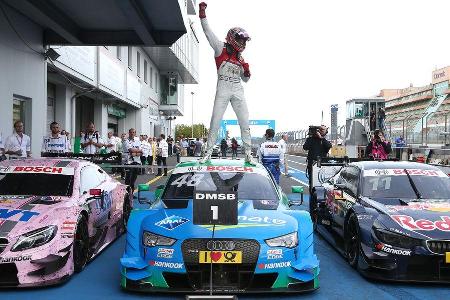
(100, 279)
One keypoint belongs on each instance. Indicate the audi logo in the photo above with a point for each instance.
(220, 245)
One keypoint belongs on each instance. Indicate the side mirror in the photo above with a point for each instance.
(158, 191)
(98, 194)
(296, 190)
(143, 188)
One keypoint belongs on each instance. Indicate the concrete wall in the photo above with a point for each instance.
(22, 73)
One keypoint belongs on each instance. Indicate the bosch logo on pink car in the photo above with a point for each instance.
(38, 169)
(422, 224)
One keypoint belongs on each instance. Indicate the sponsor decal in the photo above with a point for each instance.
(266, 220)
(277, 265)
(251, 221)
(165, 264)
(220, 257)
(41, 169)
(171, 222)
(364, 217)
(408, 222)
(165, 253)
(274, 253)
(219, 169)
(26, 215)
(215, 196)
(389, 249)
(6, 201)
(436, 207)
(4, 260)
(402, 172)
(68, 225)
(326, 222)
(220, 245)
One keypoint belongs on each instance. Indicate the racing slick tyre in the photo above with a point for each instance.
(352, 241)
(126, 211)
(81, 244)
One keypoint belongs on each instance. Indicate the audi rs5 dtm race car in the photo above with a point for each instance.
(55, 215)
(270, 248)
(391, 220)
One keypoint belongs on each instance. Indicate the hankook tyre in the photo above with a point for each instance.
(352, 241)
(81, 244)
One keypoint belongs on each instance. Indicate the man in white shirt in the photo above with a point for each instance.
(283, 158)
(146, 152)
(91, 142)
(55, 143)
(18, 145)
(132, 151)
(111, 143)
(163, 153)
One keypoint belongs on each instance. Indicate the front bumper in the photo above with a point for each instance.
(146, 287)
(37, 269)
(184, 273)
(414, 268)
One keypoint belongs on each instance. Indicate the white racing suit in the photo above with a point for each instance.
(229, 89)
(270, 155)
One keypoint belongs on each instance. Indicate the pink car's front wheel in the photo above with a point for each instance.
(81, 244)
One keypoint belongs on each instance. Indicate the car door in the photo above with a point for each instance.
(348, 183)
(91, 178)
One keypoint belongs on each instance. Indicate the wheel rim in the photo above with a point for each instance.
(353, 246)
(81, 245)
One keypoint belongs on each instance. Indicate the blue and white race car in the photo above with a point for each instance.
(270, 249)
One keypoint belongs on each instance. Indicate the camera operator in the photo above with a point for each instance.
(316, 145)
(378, 147)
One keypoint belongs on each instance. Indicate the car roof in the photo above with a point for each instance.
(370, 165)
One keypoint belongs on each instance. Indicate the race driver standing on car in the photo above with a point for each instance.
(55, 143)
(270, 155)
(231, 69)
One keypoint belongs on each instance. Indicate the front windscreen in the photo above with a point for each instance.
(249, 186)
(400, 186)
(21, 184)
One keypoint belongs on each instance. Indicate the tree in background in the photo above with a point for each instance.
(200, 130)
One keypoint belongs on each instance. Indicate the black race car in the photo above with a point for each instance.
(390, 220)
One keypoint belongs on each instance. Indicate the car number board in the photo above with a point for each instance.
(220, 257)
(447, 257)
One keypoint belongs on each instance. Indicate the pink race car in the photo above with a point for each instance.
(55, 216)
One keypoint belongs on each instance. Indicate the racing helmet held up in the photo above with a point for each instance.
(237, 37)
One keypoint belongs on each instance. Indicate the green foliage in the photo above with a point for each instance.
(185, 130)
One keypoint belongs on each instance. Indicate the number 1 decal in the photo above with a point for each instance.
(215, 212)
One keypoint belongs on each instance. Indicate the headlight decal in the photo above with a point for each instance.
(150, 239)
(288, 241)
(35, 238)
(396, 239)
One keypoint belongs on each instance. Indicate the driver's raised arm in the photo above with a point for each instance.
(215, 43)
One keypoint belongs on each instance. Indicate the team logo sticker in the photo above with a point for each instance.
(171, 222)
(165, 253)
(274, 253)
